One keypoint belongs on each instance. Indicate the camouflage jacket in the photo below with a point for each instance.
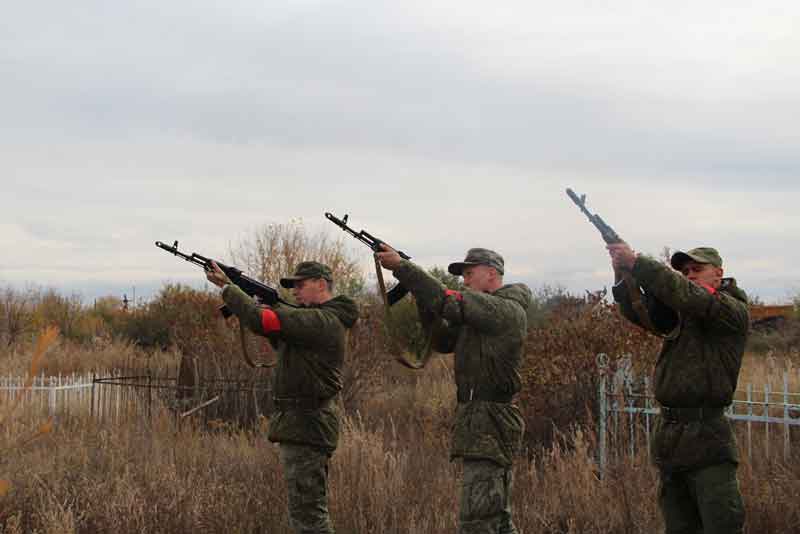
(698, 367)
(487, 334)
(311, 347)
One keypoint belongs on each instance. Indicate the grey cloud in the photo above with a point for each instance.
(435, 127)
(320, 76)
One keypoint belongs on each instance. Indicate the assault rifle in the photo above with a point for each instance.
(611, 237)
(265, 294)
(398, 291)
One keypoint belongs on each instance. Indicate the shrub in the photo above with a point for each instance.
(366, 360)
(25, 312)
(450, 281)
(175, 316)
(560, 373)
(15, 316)
(782, 339)
(402, 328)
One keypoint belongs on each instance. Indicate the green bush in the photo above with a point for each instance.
(450, 281)
(402, 325)
(178, 316)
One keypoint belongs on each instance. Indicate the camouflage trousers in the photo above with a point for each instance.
(305, 469)
(702, 501)
(485, 499)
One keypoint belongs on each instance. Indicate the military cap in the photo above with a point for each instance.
(699, 254)
(478, 256)
(308, 269)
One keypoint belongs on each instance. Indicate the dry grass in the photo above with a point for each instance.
(22, 439)
(148, 476)
(760, 369)
(391, 473)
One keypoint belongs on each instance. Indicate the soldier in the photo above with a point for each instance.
(485, 326)
(704, 319)
(311, 343)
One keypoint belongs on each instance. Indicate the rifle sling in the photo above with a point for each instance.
(381, 283)
(412, 361)
(246, 354)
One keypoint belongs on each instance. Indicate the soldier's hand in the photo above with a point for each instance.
(216, 276)
(622, 256)
(388, 257)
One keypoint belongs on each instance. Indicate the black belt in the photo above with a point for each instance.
(686, 415)
(472, 395)
(283, 404)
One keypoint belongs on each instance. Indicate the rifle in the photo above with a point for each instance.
(611, 237)
(422, 351)
(266, 294)
(398, 291)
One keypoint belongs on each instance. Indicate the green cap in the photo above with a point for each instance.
(308, 269)
(478, 256)
(699, 254)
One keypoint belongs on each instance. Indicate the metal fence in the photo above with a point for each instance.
(239, 402)
(48, 395)
(627, 407)
(118, 398)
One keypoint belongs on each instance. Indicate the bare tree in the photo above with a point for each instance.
(15, 315)
(274, 250)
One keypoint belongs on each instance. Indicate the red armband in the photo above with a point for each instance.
(457, 294)
(269, 321)
(707, 287)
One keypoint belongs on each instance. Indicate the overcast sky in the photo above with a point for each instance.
(437, 125)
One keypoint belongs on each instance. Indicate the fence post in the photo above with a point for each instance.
(602, 367)
(647, 407)
(749, 422)
(149, 395)
(767, 391)
(51, 408)
(94, 381)
(631, 402)
(786, 446)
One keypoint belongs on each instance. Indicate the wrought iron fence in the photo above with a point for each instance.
(117, 398)
(627, 407)
(226, 400)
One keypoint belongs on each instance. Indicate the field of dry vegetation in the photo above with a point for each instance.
(391, 473)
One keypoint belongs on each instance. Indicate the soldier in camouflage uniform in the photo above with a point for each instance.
(485, 326)
(704, 319)
(310, 342)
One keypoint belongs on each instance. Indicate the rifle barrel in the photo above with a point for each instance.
(336, 220)
(573, 196)
(580, 202)
(365, 237)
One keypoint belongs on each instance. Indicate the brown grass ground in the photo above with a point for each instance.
(391, 474)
